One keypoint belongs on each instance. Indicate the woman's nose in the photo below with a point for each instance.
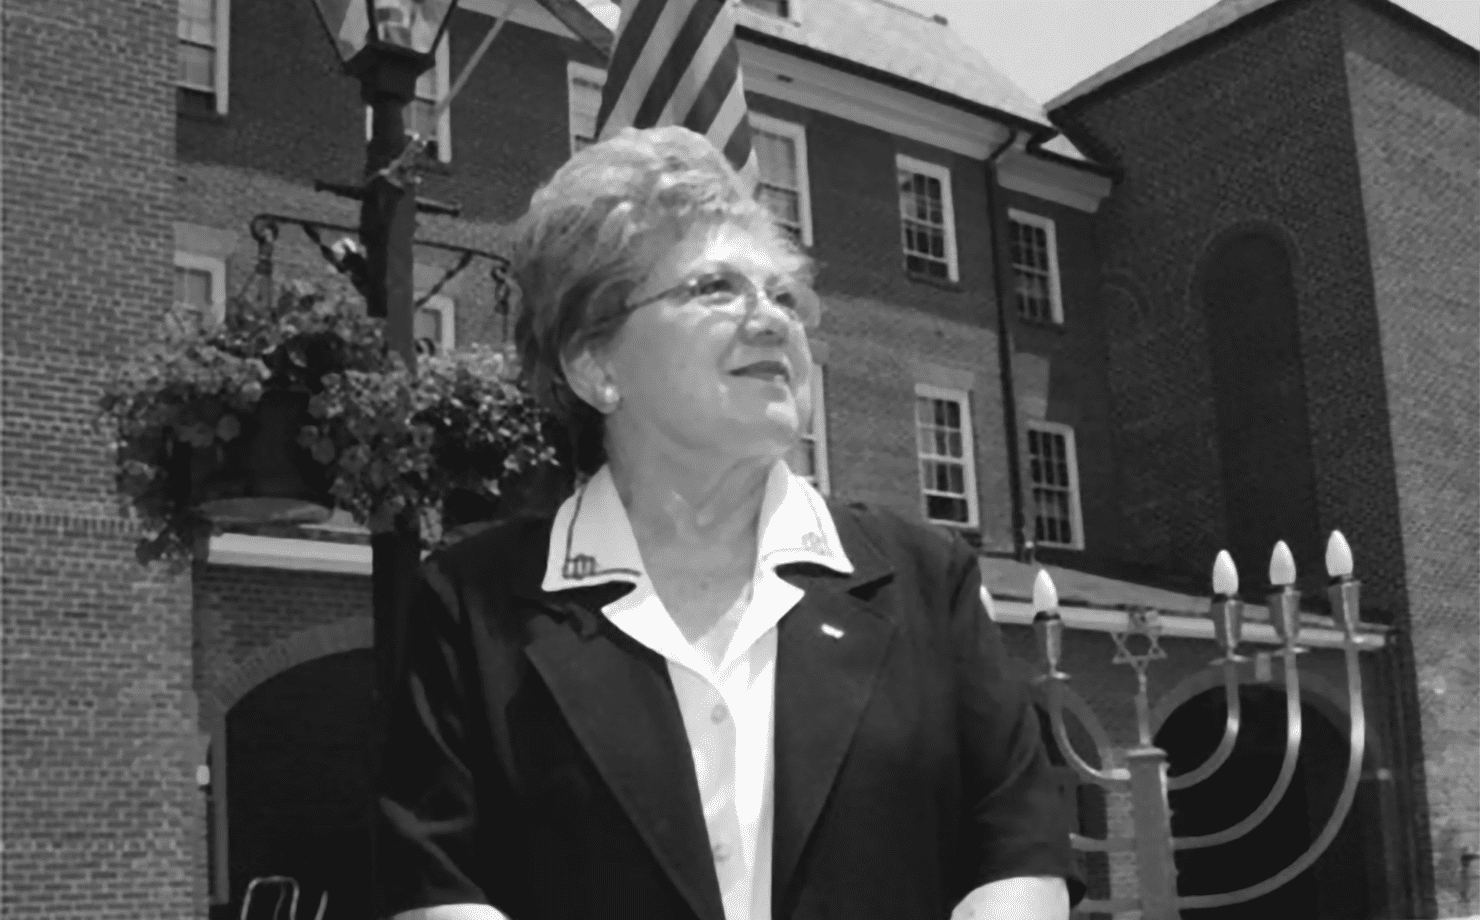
(766, 317)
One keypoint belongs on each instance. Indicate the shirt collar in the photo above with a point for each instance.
(591, 541)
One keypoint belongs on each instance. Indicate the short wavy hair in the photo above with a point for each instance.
(592, 234)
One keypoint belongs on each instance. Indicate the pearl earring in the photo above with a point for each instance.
(610, 397)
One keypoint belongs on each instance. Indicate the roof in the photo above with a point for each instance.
(1008, 579)
(1219, 16)
(890, 39)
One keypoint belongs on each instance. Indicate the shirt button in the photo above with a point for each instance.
(721, 852)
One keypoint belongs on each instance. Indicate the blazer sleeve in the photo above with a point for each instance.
(1016, 824)
(427, 823)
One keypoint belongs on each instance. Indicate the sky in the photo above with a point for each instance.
(1047, 46)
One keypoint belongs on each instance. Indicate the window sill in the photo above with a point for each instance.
(943, 284)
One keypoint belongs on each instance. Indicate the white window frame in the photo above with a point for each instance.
(216, 266)
(442, 67)
(1046, 224)
(793, 12)
(223, 56)
(968, 451)
(903, 162)
(1071, 452)
(444, 305)
(818, 435)
(595, 75)
(797, 134)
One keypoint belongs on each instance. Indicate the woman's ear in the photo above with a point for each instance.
(589, 380)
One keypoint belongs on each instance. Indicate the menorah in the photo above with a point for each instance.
(1145, 772)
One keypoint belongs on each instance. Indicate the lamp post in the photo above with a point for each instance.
(387, 45)
(1145, 775)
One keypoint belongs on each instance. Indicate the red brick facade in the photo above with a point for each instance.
(1341, 133)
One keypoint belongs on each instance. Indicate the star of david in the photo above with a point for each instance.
(1142, 622)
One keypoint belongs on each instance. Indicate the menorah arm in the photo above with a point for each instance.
(1358, 744)
(1102, 845)
(1281, 784)
(1114, 778)
(1230, 733)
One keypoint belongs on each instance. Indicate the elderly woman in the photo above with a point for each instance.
(701, 691)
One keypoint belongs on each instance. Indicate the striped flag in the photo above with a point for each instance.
(676, 62)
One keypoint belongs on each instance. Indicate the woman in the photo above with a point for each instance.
(701, 691)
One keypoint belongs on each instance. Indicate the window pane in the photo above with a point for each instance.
(197, 21)
(193, 287)
(197, 67)
(777, 157)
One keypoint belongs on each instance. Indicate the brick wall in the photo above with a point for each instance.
(1414, 105)
(100, 806)
(1254, 129)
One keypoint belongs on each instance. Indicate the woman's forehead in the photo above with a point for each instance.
(724, 244)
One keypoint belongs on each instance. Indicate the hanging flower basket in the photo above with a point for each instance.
(262, 475)
(206, 426)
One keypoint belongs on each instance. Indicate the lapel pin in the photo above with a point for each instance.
(831, 631)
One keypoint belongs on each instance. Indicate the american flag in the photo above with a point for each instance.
(676, 62)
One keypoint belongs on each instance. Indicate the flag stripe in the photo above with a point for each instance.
(716, 90)
(677, 62)
(685, 46)
(632, 86)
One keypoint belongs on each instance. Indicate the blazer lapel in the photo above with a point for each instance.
(617, 698)
(829, 648)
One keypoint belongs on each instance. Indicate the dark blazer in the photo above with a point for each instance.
(536, 759)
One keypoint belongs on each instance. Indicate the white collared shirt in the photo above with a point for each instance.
(725, 682)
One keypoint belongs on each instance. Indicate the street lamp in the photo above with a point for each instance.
(387, 45)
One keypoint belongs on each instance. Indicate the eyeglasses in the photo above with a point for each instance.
(726, 289)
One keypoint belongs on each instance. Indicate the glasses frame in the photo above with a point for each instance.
(686, 290)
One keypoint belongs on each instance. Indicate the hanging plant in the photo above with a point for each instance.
(462, 426)
(204, 425)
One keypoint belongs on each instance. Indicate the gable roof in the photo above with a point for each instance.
(1214, 19)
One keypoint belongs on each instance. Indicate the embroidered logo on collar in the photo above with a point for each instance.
(814, 543)
(579, 566)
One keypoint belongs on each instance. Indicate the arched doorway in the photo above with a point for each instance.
(1340, 884)
(301, 748)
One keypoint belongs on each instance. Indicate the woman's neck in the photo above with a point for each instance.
(697, 505)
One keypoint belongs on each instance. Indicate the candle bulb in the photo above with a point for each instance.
(1227, 610)
(1048, 624)
(1284, 601)
(1345, 591)
(1225, 575)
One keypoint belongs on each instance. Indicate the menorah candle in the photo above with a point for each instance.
(1344, 591)
(1047, 622)
(1227, 610)
(1284, 601)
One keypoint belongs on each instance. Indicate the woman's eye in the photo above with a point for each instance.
(784, 298)
(713, 286)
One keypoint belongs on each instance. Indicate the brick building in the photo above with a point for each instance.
(169, 738)
(1289, 282)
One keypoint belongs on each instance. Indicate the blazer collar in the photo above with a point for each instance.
(591, 540)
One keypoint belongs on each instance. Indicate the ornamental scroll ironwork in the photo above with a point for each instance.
(346, 255)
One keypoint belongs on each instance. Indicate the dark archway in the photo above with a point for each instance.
(300, 751)
(1342, 883)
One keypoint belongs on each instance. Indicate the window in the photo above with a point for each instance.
(928, 222)
(203, 30)
(431, 88)
(1055, 478)
(809, 459)
(585, 83)
(781, 149)
(1035, 267)
(947, 467)
(433, 326)
(200, 282)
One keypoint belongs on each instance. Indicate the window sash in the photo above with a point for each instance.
(923, 223)
(941, 442)
(1054, 488)
(1033, 270)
